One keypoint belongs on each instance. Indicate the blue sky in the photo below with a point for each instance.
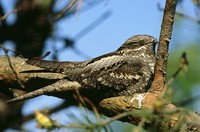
(128, 18)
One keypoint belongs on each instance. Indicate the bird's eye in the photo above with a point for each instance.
(141, 42)
(132, 43)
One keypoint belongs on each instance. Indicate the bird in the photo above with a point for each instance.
(125, 71)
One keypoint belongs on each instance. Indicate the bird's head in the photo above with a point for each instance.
(139, 44)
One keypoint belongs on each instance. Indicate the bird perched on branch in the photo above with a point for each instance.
(126, 71)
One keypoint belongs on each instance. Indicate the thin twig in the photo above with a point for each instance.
(9, 13)
(188, 17)
(180, 14)
(183, 64)
(101, 123)
(69, 6)
(83, 32)
(11, 66)
(85, 8)
(89, 28)
(94, 109)
(94, 24)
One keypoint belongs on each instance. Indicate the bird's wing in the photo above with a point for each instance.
(65, 67)
(117, 72)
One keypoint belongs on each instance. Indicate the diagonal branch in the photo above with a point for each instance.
(59, 86)
(165, 36)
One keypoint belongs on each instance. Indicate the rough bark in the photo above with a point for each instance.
(138, 103)
(157, 86)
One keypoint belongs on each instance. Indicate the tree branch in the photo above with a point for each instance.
(32, 80)
(162, 55)
(160, 109)
(150, 102)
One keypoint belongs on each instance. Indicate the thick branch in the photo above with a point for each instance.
(165, 36)
(148, 101)
(151, 107)
(31, 80)
(111, 106)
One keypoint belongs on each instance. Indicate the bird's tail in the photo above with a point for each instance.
(64, 67)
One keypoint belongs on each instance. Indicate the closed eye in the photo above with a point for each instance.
(133, 43)
(141, 42)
